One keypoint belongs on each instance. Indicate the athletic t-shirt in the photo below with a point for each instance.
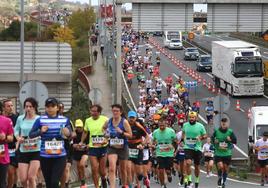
(164, 140)
(138, 132)
(6, 128)
(23, 128)
(95, 129)
(263, 153)
(208, 150)
(191, 133)
(180, 147)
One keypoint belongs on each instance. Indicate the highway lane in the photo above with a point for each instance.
(239, 120)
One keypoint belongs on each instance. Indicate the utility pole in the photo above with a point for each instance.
(118, 54)
(113, 58)
(21, 48)
(39, 20)
(21, 43)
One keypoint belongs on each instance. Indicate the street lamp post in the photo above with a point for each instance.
(22, 43)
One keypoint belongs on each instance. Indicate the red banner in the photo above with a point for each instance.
(109, 11)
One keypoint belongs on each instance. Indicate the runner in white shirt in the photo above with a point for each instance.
(158, 105)
(208, 152)
(159, 87)
(152, 91)
(179, 157)
(148, 84)
(141, 111)
(152, 110)
(261, 147)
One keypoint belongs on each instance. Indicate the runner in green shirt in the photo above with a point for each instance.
(193, 134)
(223, 139)
(164, 138)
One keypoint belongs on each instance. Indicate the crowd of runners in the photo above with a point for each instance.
(158, 142)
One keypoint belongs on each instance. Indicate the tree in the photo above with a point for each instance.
(65, 34)
(81, 21)
(48, 32)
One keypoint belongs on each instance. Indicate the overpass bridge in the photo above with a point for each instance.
(222, 15)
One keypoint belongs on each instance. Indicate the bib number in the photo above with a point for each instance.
(223, 145)
(53, 147)
(145, 154)
(263, 155)
(191, 143)
(133, 153)
(97, 141)
(30, 144)
(2, 150)
(164, 147)
(117, 143)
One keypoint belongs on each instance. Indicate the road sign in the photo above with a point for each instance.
(191, 35)
(36, 90)
(221, 103)
(95, 95)
(217, 120)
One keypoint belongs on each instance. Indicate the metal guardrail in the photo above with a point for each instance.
(83, 79)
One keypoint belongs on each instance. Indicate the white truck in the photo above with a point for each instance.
(237, 68)
(257, 125)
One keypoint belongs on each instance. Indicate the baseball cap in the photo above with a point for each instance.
(51, 101)
(132, 114)
(192, 114)
(79, 123)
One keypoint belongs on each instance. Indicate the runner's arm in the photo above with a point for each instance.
(233, 138)
(128, 132)
(84, 136)
(36, 129)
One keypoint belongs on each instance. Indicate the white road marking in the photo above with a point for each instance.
(265, 52)
(210, 75)
(128, 92)
(266, 57)
(233, 180)
(242, 110)
(175, 75)
(265, 96)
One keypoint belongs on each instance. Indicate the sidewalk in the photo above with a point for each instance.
(99, 79)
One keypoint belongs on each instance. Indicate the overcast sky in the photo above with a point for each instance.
(197, 7)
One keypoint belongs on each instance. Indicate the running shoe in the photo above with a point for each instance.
(146, 182)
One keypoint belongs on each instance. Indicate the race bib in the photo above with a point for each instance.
(2, 150)
(11, 151)
(145, 154)
(31, 144)
(133, 153)
(263, 155)
(191, 142)
(98, 140)
(223, 145)
(164, 147)
(116, 142)
(53, 147)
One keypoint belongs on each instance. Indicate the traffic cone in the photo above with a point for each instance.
(209, 87)
(213, 89)
(187, 70)
(237, 107)
(199, 80)
(219, 91)
(204, 82)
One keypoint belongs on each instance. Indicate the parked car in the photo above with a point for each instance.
(158, 33)
(204, 63)
(191, 54)
(175, 44)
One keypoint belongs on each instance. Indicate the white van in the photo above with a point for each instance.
(257, 125)
(168, 35)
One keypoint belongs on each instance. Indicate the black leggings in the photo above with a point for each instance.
(52, 169)
(3, 175)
